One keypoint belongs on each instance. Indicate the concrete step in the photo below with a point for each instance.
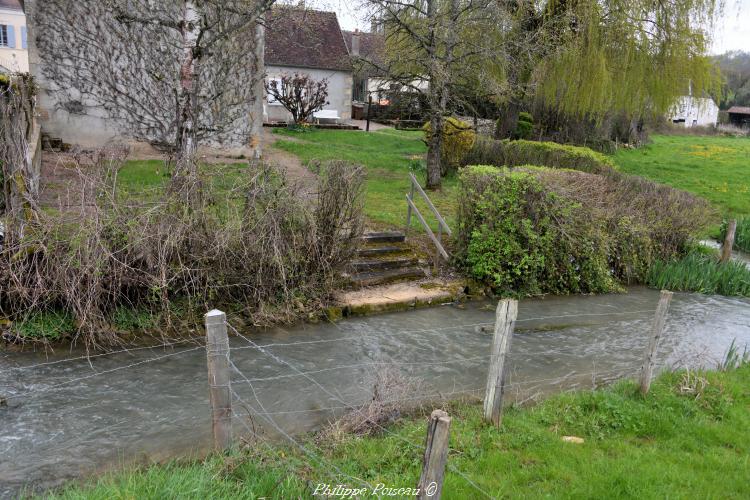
(384, 237)
(387, 263)
(386, 276)
(378, 251)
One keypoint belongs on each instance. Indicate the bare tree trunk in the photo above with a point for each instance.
(508, 120)
(186, 119)
(434, 146)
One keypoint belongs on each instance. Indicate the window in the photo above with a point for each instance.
(3, 35)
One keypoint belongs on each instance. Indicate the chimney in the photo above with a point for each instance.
(355, 43)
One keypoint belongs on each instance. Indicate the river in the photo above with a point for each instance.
(69, 419)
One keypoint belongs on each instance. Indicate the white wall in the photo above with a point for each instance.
(695, 112)
(339, 92)
(14, 57)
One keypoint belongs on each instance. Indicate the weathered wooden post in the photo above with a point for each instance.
(726, 248)
(435, 456)
(657, 329)
(217, 349)
(408, 206)
(505, 322)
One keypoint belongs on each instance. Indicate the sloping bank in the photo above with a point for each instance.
(690, 437)
(572, 225)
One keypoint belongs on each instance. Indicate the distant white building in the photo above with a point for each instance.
(14, 54)
(695, 112)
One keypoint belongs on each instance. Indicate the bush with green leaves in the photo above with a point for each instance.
(508, 153)
(525, 126)
(534, 230)
(458, 139)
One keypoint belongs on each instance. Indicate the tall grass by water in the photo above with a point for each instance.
(699, 272)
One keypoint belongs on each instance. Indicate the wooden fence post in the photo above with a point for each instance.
(726, 248)
(217, 349)
(505, 322)
(435, 456)
(656, 331)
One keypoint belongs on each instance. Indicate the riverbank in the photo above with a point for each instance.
(69, 417)
(688, 438)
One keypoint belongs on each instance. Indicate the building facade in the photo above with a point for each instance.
(14, 54)
(695, 112)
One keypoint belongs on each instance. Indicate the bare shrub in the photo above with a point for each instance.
(391, 395)
(257, 242)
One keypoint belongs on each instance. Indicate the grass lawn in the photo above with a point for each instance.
(689, 438)
(716, 168)
(388, 155)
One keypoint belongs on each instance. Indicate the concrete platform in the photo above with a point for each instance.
(399, 296)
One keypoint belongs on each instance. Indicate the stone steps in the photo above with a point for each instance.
(384, 258)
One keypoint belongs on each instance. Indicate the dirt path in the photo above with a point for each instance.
(295, 170)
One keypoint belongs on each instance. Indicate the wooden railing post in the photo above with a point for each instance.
(408, 206)
(657, 328)
(726, 247)
(505, 322)
(430, 485)
(217, 349)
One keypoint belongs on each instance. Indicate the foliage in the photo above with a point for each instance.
(741, 235)
(536, 230)
(735, 68)
(701, 273)
(258, 242)
(715, 168)
(549, 154)
(458, 139)
(129, 319)
(688, 438)
(525, 126)
(300, 94)
(47, 325)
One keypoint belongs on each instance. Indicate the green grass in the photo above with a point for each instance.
(388, 155)
(698, 272)
(144, 180)
(716, 168)
(689, 438)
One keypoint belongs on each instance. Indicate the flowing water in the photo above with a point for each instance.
(73, 418)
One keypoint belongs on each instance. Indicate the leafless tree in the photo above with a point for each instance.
(174, 73)
(299, 94)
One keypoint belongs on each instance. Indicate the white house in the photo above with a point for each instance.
(692, 111)
(308, 42)
(14, 54)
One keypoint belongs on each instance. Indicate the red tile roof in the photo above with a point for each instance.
(302, 38)
(739, 110)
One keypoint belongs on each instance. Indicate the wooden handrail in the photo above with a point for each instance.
(426, 226)
(441, 221)
(442, 225)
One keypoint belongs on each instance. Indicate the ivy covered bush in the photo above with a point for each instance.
(525, 126)
(534, 230)
(549, 154)
(458, 139)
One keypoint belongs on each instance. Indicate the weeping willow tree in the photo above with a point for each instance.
(633, 58)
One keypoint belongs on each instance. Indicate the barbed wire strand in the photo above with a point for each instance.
(103, 354)
(104, 372)
(351, 407)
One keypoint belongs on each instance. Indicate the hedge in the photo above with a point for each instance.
(534, 230)
(549, 154)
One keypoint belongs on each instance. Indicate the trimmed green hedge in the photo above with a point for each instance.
(534, 230)
(508, 153)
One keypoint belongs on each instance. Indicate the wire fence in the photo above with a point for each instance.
(257, 417)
